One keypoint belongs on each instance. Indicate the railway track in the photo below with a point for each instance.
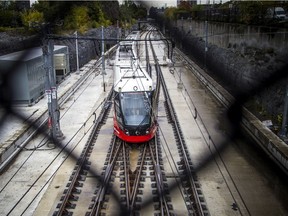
(132, 179)
(148, 178)
(112, 177)
(35, 126)
(194, 198)
(82, 165)
(38, 147)
(239, 203)
(138, 173)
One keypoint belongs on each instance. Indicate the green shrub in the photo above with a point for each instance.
(30, 17)
(78, 19)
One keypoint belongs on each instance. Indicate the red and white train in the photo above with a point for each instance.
(135, 104)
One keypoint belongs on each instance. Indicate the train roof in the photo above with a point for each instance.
(129, 75)
(132, 36)
(126, 51)
(131, 78)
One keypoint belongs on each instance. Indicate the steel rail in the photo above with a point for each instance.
(116, 147)
(157, 68)
(177, 129)
(147, 54)
(83, 159)
(132, 198)
(185, 156)
(164, 208)
(127, 179)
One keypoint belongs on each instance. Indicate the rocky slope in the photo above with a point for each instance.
(242, 68)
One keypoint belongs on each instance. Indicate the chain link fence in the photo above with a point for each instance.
(234, 113)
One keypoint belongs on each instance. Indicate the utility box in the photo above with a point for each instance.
(26, 74)
(61, 65)
(61, 62)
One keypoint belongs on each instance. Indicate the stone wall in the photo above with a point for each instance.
(226, 35)
(88, 49)
(240, 57)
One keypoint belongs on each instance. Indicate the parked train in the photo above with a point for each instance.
(135, 104)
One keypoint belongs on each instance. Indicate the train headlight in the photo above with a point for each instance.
(127, 132)
(137, 133)
(147, 131)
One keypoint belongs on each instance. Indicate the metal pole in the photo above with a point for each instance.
(117, 31)
(77, 54)
(103, 60)
(206, 43)
(51, 90)
(206, 36)
(182, 32)
(57, 134)
(47, 82)
(182, 24)
(180, 84)
(283, 130)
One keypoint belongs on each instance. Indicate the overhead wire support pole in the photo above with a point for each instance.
(283, 131)
(117, 31)
(103, 59)
(206, 44)
(50, 86)
(77, 53)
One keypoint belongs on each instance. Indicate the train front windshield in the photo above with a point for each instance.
(136, 108)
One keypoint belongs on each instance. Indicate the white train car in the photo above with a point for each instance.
(134, 119)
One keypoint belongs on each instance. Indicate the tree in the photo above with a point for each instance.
(140, 13)
(248, 14)
(111, 9)
(185, 5)
(97, 15)
(10, 14)
(170, 13)
(101, 20)
(130, 12)
(54, 11)
(78, 19)
(125, 13)
(31, 16)
(76, 15)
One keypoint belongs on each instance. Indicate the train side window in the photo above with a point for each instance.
(118, 114)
